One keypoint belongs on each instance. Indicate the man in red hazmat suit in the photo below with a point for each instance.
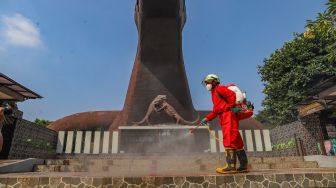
(227, 108)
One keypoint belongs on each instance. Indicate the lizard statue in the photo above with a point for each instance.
(152, 108)
(160, 104)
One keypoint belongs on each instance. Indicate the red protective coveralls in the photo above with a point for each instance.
(228, 120)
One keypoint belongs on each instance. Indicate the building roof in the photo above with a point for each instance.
(322, 86)
(11, 90)
(321, 96)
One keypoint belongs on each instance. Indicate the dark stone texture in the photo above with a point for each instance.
(124, 185)
(32, 141)
(158, 181)
(265, 183)
(308, 134)
(233, 185)
(258, 178)
(97, 182)
(212, 185)
(317, 177)
(3, 181)
(136, 181)
(199, 179)
(220, 180)
(44, 181)
(318, 184)
(168, 180)
(324, 182)
(298, 186)
(205, 184)
(305, 183)
(107, 181)
(270, 177)
(75, 181)
(67, 180)
(247, 184)
(285, 185)
(179, 181)
(283, 177)
(186, 185)
(240, 179)
(28, 182)
(292, 183)
(274, 185)
(332, 184)
(12, 181)
(329, 176)
(299, 178)
(228, 179)
(61, 185)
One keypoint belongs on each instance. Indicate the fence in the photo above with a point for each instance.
(105, 142)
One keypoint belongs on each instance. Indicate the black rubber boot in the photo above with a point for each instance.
(230, 166)
(242, 161)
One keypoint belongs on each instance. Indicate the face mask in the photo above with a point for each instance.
(209, 87)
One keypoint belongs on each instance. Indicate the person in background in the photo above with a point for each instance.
(2, 118)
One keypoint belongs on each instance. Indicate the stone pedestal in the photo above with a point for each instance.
(163, 139)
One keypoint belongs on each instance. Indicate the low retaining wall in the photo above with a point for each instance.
(32, 141)
(265, 180)
(24, 139)
(304, 135)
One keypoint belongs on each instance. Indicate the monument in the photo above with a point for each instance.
(158, 91)
(158, 68)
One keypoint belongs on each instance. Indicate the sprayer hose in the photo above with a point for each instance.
(212, 133)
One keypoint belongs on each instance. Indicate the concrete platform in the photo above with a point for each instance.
(171, 172)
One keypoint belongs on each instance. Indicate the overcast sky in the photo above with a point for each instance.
(79, 54)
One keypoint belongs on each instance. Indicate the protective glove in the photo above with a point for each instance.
(250, 105)
(236, 110)
(204, 121)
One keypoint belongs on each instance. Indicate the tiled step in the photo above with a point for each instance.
(284, 165)
(164, 163)
(62, 161)
(59, 168)
(282, 159)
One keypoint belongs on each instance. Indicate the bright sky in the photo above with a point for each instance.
(79, 54)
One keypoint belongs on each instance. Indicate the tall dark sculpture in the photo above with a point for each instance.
(158, 91)
(158, 67)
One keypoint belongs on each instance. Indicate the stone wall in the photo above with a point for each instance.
(30, 140)
(239, 180)
(307, 134)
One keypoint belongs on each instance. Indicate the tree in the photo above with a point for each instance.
(296, 67)
(324, 26)
(42, 122)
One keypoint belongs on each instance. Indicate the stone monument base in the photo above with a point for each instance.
(163, 139)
